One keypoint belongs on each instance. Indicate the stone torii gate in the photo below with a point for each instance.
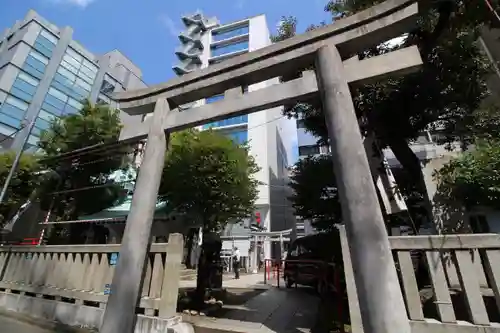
(331, 50)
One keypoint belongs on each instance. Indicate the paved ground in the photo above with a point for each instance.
(9, 325)
(277, 310)
(245, 281)
(280, 310)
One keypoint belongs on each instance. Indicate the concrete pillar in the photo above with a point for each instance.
(379, 293)
(126, 285)
(171, 277)
(255, 260)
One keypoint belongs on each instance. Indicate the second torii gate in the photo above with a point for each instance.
(330, 51)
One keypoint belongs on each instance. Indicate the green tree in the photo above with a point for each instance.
(85, 181)
(21, 186)
(314, 200)
(208, 178)
(445, 92)
(473, 178)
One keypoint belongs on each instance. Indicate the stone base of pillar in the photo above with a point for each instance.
(146, 324)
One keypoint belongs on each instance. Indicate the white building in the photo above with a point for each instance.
(205, 42)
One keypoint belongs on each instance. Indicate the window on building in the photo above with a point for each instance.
(78, 65)
(300, 123)
(107, 87)
(103, 99)
(48, 117)
(35, 64)
(213, 99)
(75, 76)
(220, 50)
(222, 33)
(72, 107)
(239, 137)
(228, 122)
(24, 87)
(45, 43)
(12, 112)
(308, 150)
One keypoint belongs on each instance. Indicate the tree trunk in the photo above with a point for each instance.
(207, 267)
(189, 245)
(411, 163)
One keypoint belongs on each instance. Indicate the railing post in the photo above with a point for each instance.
(126, 285)
(380, 298)
(171, 276)
(4, 263)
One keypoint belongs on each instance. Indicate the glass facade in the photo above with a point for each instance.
(35, 64)
(225, 122)
(308, 150)
(108, 85)
(11, 114)
(240, 137)
(72, 84)
(220, 50)
(24, 87)
(75, 76)
(45, 43)
(213, 99)
(229, 33)
(103, 99)
(228, 122)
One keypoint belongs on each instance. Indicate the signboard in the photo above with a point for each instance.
(107, 289)
(113, 259)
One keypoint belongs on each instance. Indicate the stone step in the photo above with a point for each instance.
(188, 274)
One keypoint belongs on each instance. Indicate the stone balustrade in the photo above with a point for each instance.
(462, 291)
(80, 277)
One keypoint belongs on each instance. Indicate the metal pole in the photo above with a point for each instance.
(126, 285)
(16, 161)
(379, 292)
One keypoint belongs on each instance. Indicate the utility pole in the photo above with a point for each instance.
(15, 163)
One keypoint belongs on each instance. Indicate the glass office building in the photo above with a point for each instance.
(45, 74)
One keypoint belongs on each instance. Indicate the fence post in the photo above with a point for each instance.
(171, 276)
(4, 263)
(265, 271)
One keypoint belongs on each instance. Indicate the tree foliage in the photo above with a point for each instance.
(24, 180)
(444, 94)
(208, 177)
(315, 195)
(473, 178)
(82, 179)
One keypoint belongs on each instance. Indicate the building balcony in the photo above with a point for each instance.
(195, 39)
(199, 20)
(187, 52)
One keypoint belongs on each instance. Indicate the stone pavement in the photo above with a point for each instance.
(10, 325)
(277, 310)
(245, 281)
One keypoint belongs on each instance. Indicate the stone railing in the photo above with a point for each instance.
(462, 289)
(81, 275)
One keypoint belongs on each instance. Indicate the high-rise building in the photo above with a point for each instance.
(44, 73)
(307, 143)
(205, 42)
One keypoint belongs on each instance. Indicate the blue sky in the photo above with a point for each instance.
(145, 31)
